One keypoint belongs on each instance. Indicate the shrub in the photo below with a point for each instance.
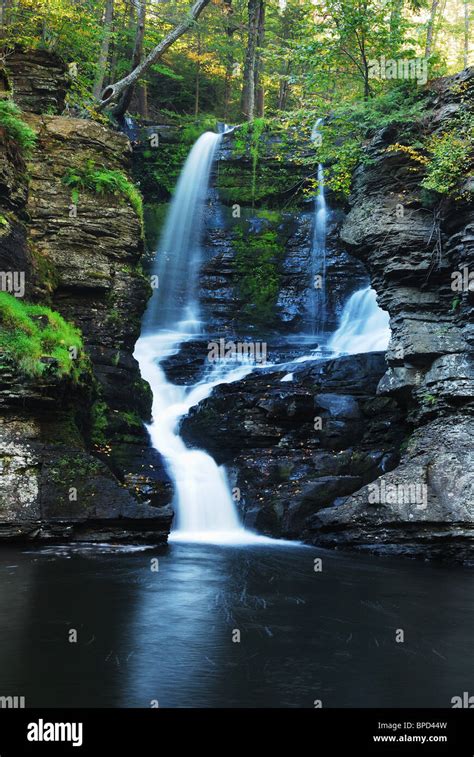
(15, 127)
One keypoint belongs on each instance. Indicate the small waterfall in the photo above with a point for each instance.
(318, 249)
(364, 326)
(203, 502)
(178, 256)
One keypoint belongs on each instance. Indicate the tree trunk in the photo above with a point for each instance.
(198, 76)
(137, 55)
(395, 18)
(142, 93)
(248, 90)
(113, 91)
(258, 88)
(5, 7)
(466, 33)
(230, 59)
(284, 87)
(430, 28)
(104, 49)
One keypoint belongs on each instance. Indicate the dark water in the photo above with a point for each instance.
(167, 635)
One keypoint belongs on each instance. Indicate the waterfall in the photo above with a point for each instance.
(318, 248)
(178, 257)
(203, 503)
(364, 326)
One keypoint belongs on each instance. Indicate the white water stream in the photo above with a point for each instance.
(204, 504)
(205, 510)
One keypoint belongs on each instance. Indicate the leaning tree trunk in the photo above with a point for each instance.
(248, 90)
(104, 49)
(114, 91)
(137, 55)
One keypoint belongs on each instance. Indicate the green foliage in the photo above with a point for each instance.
(38, 340)
(447, 157)
(15, 127)
(102, 180)
(450, 158)
(248, 136)
(256, 262)
(345, 129)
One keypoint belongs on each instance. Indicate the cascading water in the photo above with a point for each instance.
(318, 249)
(364, 326)
(179, 251)
(203, 502)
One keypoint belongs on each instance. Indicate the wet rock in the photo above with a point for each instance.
(294, 447)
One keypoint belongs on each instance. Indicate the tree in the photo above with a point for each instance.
(430, 28)
(104, 48)
(137, 55)
(256, 11)
(466, 34)
(114, 91)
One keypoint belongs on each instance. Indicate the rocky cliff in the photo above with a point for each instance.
(388, 467)
(76, 462)
(414, 256)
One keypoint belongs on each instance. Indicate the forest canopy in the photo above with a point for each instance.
(242, 59)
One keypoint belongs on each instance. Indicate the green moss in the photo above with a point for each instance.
(16, 129)
(32, 335)
(45, 269)
(256, 263)
(158, 169)
(273, 216)
(99, 423)
(101, 180)
(4, 225)
(275, 182)
(154, 218)
(70, 468)
(113, 317)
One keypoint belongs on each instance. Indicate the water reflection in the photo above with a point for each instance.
(168, 635)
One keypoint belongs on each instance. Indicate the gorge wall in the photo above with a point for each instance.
(75, 457)
(371, 451)
(358, 452)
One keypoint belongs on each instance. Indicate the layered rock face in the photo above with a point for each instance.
(391, 469)
(76, 461)
(38, 80)
(297, 442)
(414, 257)
(275, 220)
(256, 280)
